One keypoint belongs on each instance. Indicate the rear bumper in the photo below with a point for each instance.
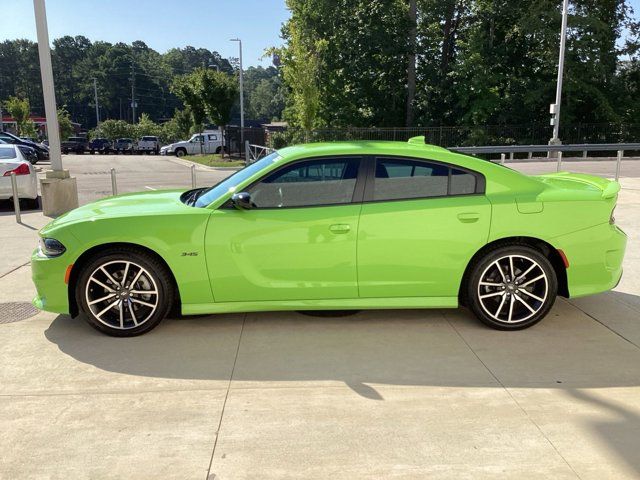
(27, 187)
(595, 258)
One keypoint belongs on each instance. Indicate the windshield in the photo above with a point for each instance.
(240, 176)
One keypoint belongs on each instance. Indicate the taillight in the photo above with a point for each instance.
(22, 169)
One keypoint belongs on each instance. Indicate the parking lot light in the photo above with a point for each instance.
(58, 188)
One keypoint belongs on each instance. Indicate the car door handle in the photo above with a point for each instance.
(468, 217)
(340, 228)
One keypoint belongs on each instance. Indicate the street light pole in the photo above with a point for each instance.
(556, 108)
(58, 188)
(241, 95)
(46, 72)
(95, 94)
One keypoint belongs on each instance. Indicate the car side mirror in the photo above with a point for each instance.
(242, 200)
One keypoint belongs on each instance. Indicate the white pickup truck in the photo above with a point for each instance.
(206, 142)
(148, 144)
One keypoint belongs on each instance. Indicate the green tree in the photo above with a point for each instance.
(64, 123)
(342, 58)
(208, 94)
(20, 110)
(113, 129)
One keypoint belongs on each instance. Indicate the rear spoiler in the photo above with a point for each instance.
(609, 188)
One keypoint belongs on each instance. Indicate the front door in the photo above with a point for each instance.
(298, 242)
(420, 225)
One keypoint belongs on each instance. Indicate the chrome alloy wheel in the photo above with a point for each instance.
(513, 289)
(121, 294)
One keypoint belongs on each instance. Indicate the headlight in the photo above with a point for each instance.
(50, 247)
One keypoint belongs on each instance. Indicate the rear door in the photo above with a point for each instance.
(421, 223)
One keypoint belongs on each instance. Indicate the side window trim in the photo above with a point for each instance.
(358, 191)
(371, 162)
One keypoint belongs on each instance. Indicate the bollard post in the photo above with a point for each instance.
(502, 158)
(247, 153)
(114, 185)
(559, 165)
(619, 163)
(16, 198)
(584, 154)
(510, 156)
(193, 176)
(530, 155)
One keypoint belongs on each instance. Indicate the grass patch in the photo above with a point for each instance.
(214, 160)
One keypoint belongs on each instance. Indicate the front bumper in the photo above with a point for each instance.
(48, 276)
(595, 258)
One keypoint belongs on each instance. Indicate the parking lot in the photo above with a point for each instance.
(378, 394)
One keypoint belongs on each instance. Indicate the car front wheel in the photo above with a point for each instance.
(512, 287)
(124, 292)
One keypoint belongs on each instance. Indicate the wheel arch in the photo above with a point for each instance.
(89, 253)
(542, 246)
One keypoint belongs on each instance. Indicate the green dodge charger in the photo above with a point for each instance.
(335, 226)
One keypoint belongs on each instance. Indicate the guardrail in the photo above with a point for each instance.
(256, 152)
(620, 148)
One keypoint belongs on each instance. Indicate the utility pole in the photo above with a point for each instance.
(95, 95)
(133, 92)
(241, 94)
(411, 63)
(555, 108)
(59, 189)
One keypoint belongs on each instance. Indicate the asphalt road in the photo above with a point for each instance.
(134, 173)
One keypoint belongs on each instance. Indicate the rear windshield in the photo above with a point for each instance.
(76, 139)
(7, 153)
(149, 139)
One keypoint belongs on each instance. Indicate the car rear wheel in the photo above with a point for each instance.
(124, 292)
(512, 287)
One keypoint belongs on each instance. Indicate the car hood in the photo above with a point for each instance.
(160, 202)
(176, 144)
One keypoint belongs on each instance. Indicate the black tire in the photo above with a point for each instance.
(92, 152)
(180, 152)
(504, 301)
(29, 203)
(155, 275)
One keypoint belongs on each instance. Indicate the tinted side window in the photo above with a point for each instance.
(462, 183)
(396, 179)
(308, 183)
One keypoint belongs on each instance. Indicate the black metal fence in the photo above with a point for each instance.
(532, 134)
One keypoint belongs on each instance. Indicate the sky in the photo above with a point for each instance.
(161, 24)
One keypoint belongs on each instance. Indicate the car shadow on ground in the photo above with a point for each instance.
(569, 353)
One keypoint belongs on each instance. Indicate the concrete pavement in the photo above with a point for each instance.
(380, 394)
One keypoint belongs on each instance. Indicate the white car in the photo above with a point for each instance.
(207, 142)
(12, 160)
